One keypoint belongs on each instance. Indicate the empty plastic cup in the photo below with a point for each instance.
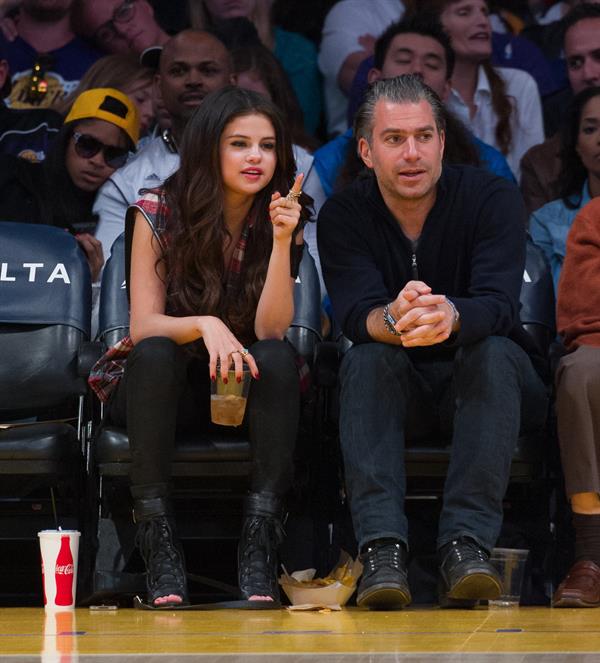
(510, 563)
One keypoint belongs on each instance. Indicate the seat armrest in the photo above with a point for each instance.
(88, 355)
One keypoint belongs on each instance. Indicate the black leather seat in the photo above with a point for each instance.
(45, 306)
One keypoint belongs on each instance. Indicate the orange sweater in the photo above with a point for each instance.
(578, 306)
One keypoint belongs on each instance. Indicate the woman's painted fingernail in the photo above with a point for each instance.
(225, 380)
(238, 380)
(213, 378)
(257, 375)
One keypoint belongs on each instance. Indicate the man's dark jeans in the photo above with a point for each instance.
(486, 395)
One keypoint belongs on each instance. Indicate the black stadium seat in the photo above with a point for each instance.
(45, 307)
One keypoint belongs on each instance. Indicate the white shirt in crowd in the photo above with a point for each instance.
(527, 122)
(344, 24)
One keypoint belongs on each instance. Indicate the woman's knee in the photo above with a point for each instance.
(274, 356)
(157, 354)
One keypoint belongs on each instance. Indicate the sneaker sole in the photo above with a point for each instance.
(383, 597)
(476, 587)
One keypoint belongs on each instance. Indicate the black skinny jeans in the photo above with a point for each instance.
(164, 392)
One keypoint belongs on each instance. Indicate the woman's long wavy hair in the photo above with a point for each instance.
(501, 102)
(573, 173)
(194, 259)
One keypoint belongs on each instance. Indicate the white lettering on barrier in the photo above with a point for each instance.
(58, 272)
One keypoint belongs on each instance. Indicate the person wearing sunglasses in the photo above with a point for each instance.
(98, 134)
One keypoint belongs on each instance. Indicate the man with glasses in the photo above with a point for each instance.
(118, 26)
(45, 57)
(192, 64)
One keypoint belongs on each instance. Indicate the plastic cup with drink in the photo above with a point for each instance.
(228, 400)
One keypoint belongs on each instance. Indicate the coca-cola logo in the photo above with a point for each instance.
(64, 569)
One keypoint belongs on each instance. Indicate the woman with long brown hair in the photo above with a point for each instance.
(214, 256)
(501, 106)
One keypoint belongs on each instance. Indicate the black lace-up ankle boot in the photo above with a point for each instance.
(160, 550)
(262, 533)
(384, 584)
(466, 574)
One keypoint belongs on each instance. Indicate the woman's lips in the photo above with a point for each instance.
(252, 174)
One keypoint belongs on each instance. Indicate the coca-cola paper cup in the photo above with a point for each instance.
(59, 549)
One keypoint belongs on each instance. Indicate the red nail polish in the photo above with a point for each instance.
(225, 380)
(213, 378)
(238, 380)
(257, 376)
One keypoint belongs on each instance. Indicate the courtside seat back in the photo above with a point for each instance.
(45, 309)
(537, 313)
(113, 322)
(305, 331)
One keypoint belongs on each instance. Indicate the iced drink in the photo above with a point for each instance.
(228, 401)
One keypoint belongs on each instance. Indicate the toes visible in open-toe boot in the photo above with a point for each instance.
(262, 533)
(160, 550)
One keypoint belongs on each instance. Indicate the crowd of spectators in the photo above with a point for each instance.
(96, 96)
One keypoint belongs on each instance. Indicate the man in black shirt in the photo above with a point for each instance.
(423, 266)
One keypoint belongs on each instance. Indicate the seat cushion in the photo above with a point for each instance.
(112, 446)
(52, 441)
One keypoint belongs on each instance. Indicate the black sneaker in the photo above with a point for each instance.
(384, 584)
(466, 575)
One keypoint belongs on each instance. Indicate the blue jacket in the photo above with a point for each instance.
(549, 227)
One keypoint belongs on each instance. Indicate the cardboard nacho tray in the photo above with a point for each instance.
(305, 592)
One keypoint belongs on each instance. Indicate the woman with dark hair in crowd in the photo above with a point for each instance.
(214, 256)
(96, 138)
(500, 105)
(579, 178)
(258, 69)
(124, 73)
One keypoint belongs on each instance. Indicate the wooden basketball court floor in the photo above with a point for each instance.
(525, 635)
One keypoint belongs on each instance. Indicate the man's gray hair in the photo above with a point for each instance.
(405, 89)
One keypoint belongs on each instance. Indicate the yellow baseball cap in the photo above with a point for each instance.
(110, 105)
